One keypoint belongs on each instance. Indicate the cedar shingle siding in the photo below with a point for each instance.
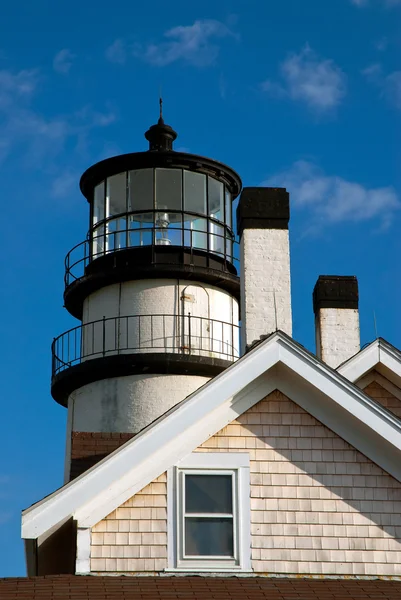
(317, 505)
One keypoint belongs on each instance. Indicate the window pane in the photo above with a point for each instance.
(208, 536)
(208, 493)
(116, 194)
(140, 190)
(98, 208)
(169, 190)
(141, 229)
(195, 192)
(228, 209)
(195, 232)
(216, 238)
(216, 199)
(98, 241)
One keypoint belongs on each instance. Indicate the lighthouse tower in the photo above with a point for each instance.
(155, 287)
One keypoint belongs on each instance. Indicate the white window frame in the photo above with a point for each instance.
(210, 463)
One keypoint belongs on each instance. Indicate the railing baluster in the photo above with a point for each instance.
(81, 342)
(164, 333)
(189, 333)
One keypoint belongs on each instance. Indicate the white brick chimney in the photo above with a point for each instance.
(262, 222)
(335, 303)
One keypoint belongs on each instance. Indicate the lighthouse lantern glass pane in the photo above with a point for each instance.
(168, 197)
(116, 195)
(228, 209)
(216, 199)
(98, 204)
(140, 190)
(195, 192)
(195, 232)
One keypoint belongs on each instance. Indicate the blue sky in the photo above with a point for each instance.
(305, 94)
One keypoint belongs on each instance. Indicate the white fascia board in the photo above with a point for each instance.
(378, 355)
(360, 364)
(97, 492)
(344, 393)
(111, 482)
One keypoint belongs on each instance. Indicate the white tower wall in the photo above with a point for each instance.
(128, 404)
(153, 316)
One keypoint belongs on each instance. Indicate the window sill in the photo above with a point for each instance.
(210, 569)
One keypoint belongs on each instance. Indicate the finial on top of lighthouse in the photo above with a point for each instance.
(160, 136)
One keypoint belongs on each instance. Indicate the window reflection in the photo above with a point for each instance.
(216, 199)
(146, 206)
(195, 192)
(98, 203)
(116, 195)
(140, 190)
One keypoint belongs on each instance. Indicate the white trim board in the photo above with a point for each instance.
(380, 356)
(276, 363)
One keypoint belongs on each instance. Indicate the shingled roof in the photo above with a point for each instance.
(55, 587)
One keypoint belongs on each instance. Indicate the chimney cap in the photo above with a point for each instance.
(335, 291)
(263, 208)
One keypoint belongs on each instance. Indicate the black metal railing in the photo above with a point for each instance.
(180, 334)
(113, 235)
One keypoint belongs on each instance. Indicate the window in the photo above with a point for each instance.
(209, 513)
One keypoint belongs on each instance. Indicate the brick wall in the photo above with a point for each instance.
(386, 399)
(317, 505)
(88, 448)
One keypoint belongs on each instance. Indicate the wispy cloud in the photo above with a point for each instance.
(387, 3)
(194, 44)
(64, 184)
(29, 132)
(5, 517)
(332, 199)
(381, 44)
(18, 86)
(389, 84)
(117, 52)
(308, 78)
(63, 60)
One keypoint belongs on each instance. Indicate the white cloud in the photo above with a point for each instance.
(117, 52)
(306, 77)
(193, 44)
(17, 86)
(381, 44)
(64, 184)
(33, 135)
(393, 88)
(332, 199)
(63, 60)
(387, 3)
(389, 84)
